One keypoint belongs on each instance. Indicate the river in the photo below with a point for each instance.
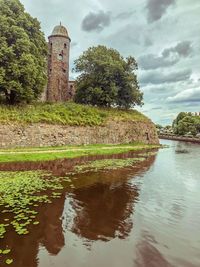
(147, 216)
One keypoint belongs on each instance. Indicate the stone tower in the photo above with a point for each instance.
(58, 65)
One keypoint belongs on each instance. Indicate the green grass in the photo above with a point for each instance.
(53, 153)
(66, 114)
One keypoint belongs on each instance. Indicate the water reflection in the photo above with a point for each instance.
(48, 233)
(147, 255)
(146, 216)
(102, 204)
(104, 209)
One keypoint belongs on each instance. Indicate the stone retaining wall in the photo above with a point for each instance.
(38, 135)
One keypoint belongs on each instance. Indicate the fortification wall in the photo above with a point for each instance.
(39, 135)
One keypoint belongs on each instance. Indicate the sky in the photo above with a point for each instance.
(162, 35)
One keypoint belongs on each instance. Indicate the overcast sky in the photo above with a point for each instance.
(163, 35)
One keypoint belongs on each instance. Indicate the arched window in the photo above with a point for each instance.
(60, 56)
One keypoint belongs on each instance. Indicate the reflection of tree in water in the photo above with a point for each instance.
(103, 210)
(48, 233)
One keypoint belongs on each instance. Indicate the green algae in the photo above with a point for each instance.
(108, 164)
(148, 154)
(20, 194)
(9, 261)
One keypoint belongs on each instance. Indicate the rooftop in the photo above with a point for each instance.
(60, 30)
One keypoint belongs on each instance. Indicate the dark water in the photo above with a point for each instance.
(147, 216)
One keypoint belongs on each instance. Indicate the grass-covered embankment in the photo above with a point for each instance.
(53, 153)
(66, 114)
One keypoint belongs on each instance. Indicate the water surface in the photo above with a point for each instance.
(147, 216)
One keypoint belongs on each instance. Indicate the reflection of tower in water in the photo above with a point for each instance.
(48, 234)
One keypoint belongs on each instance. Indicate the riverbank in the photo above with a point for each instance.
(63, 152)
(180, 138)
(45, 125)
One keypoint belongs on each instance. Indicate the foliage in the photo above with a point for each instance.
(186, 123)
(107, 79)
(66, 114)
(159, 127)
(23, 53)
(51, 153)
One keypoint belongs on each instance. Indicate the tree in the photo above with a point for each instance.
(187, 123)
(23, 53)
(107, 79)
(159, 127)
(180, 116)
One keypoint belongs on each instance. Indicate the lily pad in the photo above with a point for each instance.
(9, 261)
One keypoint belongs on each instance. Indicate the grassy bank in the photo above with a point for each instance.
(66, 114)
(53, 153)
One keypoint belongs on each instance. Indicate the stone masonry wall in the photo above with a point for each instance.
(38, 135)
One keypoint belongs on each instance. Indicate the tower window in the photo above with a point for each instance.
(64, 70)
(60, 56)
(65, 45)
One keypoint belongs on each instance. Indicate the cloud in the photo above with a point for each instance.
(73, 44)
(96, 21)
(157, 8)
(183, 49)
(147, 41)
(189, 95)
(150, 61)
(169, 56)
(157, 77)
(124, 15)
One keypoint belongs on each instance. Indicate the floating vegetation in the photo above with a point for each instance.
(20, 193)
(9, 261)
(148, 154)
(5, 252)
(108, 164)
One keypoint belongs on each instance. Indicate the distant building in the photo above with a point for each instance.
(59, 88)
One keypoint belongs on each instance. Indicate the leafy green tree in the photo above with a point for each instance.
(106, 79)
(159, 127)
(188, 124)
(23, 53)
(180, 116)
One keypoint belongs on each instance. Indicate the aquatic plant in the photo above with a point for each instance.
(20, 194)
(108, 164)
